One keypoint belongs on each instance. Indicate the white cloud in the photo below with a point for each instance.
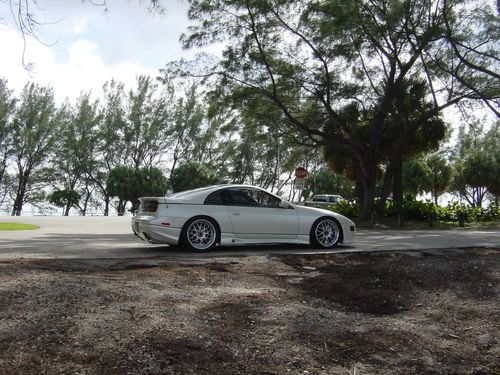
(83, 54)
(79, 26)
(85, 47)
(81, 68)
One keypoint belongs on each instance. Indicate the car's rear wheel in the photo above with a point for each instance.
(326, 233)
(200, 234)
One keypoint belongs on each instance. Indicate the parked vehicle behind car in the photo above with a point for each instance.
(323, 200)
(203, 218)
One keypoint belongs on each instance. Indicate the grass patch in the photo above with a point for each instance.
(17, 226)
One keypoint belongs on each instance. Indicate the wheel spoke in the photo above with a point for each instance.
(327, 232)
(201, 234)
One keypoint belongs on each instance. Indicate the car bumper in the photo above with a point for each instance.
(147, 230)
(349, 234)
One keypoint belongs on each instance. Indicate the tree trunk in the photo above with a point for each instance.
(388, 183)
(436, 196)
(21, 192)
(85, 203)
(121, 207)
(397, 188)
(106, 205)
(174, 164)
(359, 191)
(66, 209)
(2, 172)
(369, 194)
(4, 167)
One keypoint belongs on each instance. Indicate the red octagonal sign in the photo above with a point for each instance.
(300, 172)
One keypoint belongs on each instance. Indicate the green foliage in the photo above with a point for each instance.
(129, 184)
(440, 174)
(455, 211)
(145, 130)
(414, 210)
(356, 76)
(7, 106)
(151, 182)
(350, 210)
(189, 138)
(479, 169)
(191, 176)
(63, 198)
(477, 163)
(77, 156)
(432, 174)
(416, 177)
(327, 182)
(35, 131)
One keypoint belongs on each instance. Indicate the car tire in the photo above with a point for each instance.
(326, 233)
(200, 234)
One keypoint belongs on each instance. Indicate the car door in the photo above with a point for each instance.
(254, 213)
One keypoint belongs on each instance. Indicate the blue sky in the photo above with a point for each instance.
(83, 46)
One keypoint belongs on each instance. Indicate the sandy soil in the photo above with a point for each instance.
(434, 312)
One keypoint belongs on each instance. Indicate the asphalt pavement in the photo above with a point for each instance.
(112, 238)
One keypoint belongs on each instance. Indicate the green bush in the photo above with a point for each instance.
(479, 214)
(350, 210)
(420, 211)
(412, 209)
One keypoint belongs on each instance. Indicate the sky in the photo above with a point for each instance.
(81, 46)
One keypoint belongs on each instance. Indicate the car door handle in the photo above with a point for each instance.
(236, 213)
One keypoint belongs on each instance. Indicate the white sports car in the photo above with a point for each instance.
(203, 218)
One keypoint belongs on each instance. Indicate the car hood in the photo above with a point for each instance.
(307, 209)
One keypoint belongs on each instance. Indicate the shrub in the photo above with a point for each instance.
(420, 211)
(412, 209)
(350, 210)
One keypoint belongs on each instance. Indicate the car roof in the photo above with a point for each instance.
(326, 195)
(198, 196)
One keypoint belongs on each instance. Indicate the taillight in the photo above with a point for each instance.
(149, 206)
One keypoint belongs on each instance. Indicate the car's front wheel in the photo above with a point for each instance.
(326, 233)
(200, 234)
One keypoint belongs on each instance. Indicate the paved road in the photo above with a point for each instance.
(111, 238)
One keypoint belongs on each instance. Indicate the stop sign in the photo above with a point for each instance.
(300, 172)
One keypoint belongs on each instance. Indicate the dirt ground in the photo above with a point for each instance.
(430, 312)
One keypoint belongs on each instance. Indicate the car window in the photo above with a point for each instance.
(219, 197)
(320, 198)
(333, 199)
(253, 197)
(241, 197)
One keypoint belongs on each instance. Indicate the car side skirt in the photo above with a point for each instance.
(228, 239)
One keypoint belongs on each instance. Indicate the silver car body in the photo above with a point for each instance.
(161, 219)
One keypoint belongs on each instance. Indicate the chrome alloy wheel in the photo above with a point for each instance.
(327, 233)
(201, 234)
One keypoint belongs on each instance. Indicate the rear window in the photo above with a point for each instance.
(148, 206)
(220, 197)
